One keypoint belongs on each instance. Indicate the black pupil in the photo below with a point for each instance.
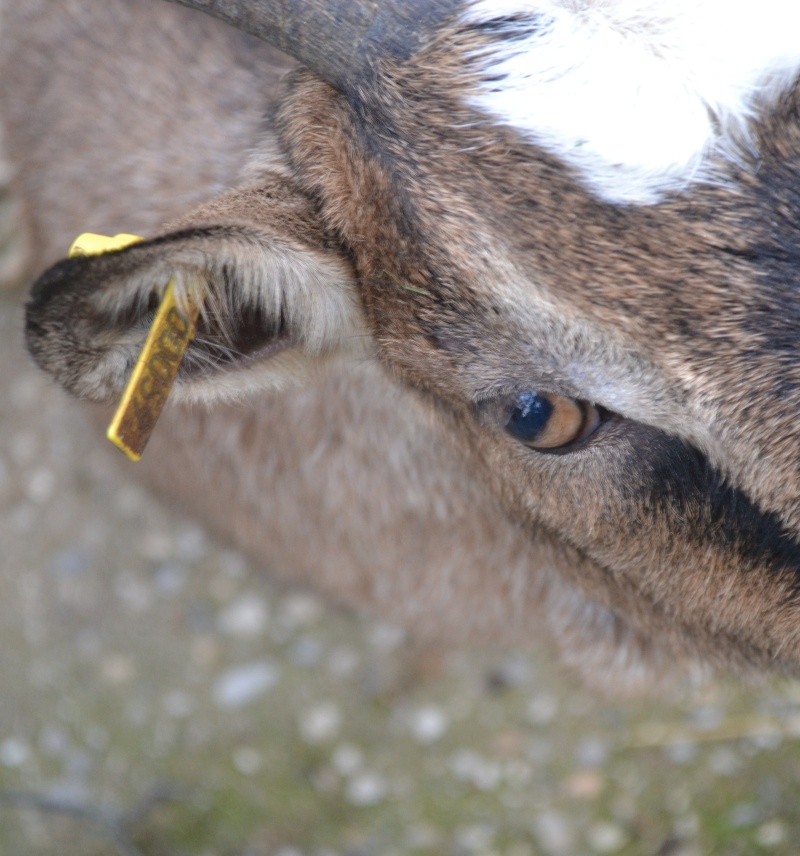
(529, 416)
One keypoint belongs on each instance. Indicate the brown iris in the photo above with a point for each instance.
(542, 420)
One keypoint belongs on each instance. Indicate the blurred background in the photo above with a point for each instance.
(160, 696)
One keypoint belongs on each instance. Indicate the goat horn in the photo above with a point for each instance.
(338, 39)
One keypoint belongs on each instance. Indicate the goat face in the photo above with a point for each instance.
(611, 347)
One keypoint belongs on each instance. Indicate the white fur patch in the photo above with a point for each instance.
(636, 94)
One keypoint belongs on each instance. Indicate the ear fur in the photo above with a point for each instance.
(278, 295)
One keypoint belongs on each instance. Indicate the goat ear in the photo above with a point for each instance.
(278, 298)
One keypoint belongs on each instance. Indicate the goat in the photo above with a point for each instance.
(500, 327)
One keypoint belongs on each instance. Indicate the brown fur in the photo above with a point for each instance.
(484, 271)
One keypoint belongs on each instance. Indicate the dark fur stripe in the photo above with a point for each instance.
(682, 484)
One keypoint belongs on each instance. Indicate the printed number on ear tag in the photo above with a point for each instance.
(157, 367)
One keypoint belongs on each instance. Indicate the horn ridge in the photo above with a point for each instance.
(338, 39)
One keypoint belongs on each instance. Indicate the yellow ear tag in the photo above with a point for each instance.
(157, 367)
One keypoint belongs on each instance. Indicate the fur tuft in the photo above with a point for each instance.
(640, 96)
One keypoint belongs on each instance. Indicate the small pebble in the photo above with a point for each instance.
(170, 578)
(14, 752)
(518, 774)
(347, 759)
(554, 833)
(247, 760)
(385, 637)
(300, 610)
(306, 652)
(155, 546)
(247, 616)
(242, 685)
(70, 562)
(366, 789)
(771, 834)
(606, 837)
(542, 709)
(178, 704)
(422, 836)
(321, 724)
(191, 544)
(707, 717)
(53, 741)
(682, 752)
(585, 785)
(469, 767)
(117, 669)
(591, 752)
(767, 740)
(744, 814)
(429, 724)
(687, 826)
(133, 592)
(475, 838)
(724, 761)
(41, 485)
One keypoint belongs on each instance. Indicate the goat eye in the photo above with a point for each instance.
(545, 421)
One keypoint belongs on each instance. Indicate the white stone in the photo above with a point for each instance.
(178, 704)
(771, 834)
(475, 838)
(367, 789)
(14, 752)
(469, 767)
(242, 685)
(300, 610)
(347, 759)
(429, 724)
(247, 760)
(41, 485)
(191, 544)
(343, 662)
(321, 724)
(245, 617)
(554, 833)
(542, 709)
(606, 837)
(385, 637)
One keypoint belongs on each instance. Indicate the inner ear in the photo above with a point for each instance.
(269, 279)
